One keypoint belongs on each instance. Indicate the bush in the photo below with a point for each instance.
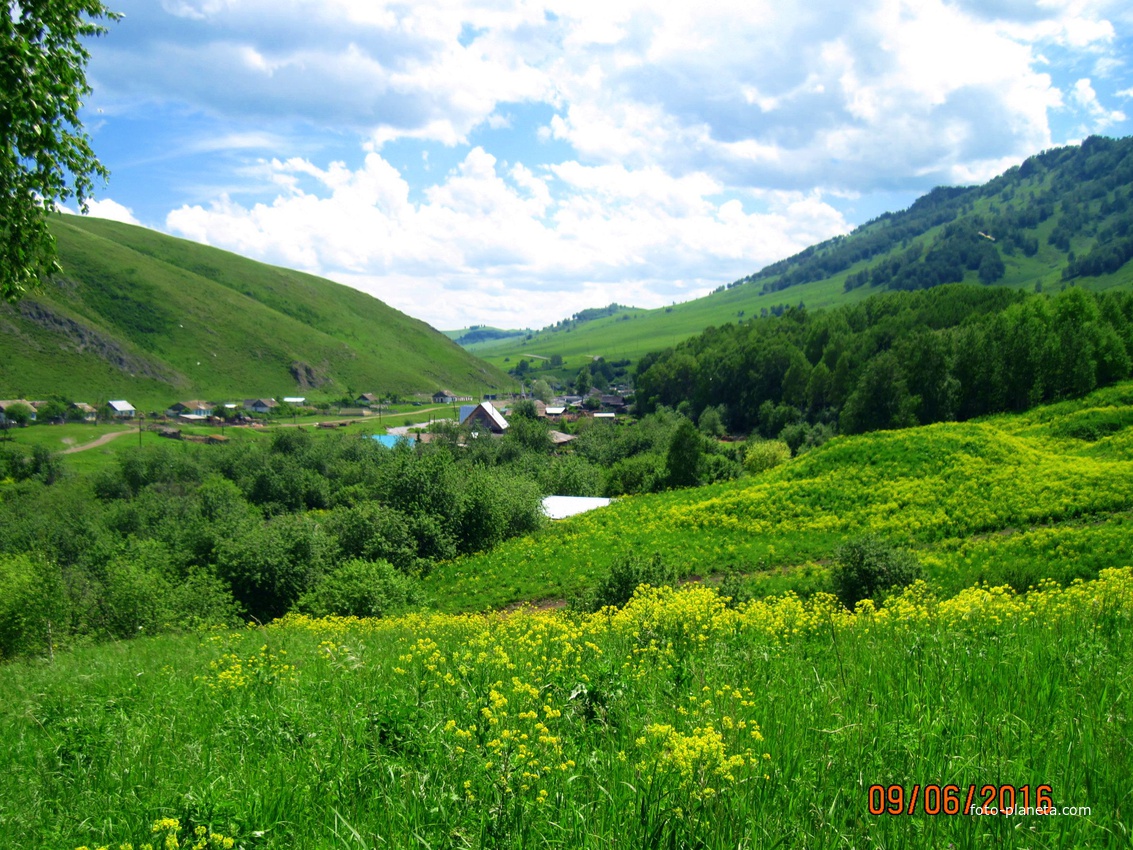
(871, 568)
(361, 589)
(626, 574)
(373, 532)
(766, 454)
(271, 565)
(35, 612)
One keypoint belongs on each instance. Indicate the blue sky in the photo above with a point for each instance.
(509, 162)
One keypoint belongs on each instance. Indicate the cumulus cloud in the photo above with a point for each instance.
(108, 209)
(1099, 117)
(513, 241)
(675, 148)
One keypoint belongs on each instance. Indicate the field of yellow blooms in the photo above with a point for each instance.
(677, 721)
(1010, 499)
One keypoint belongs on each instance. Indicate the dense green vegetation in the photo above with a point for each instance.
(288, 520)
(296, 520)
(171, 536)
(140, 315)
(1010, 499)
(896, 360)
(850, 597)
(675, 722)
(1060, 217)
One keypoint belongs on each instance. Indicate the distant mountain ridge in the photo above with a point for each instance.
(1063, 217)
(143, 315)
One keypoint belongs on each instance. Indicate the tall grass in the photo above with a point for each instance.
(675, 722)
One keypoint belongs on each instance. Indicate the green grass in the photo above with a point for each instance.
(154, 319)
(674, 723)
(1016, 489)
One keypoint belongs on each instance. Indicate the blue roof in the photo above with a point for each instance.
(389, 440)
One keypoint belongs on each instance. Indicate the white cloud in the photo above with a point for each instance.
(684, 146)
(486, 241)
(110, 209)
(1087, 99)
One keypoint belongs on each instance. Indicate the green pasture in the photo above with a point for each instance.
(676, 722)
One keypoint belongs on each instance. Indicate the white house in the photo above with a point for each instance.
(121, 409)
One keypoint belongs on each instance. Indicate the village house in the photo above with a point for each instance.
(6, 403)
(483, 415)
(260, 405)
(87, 411)
(190, 408)
(121, 409)
(367, 398)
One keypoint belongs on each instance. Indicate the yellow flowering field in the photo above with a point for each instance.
(680, 720)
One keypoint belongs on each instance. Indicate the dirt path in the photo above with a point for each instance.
(101, 441)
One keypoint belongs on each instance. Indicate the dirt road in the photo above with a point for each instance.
(101, 441)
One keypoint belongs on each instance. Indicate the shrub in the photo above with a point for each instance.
(374, 532)
(625, 575)
(35, 612)
(871, 568)
(361, 589)
(766, 454)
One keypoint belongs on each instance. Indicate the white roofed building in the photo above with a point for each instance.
(122, 409)
(483, 414)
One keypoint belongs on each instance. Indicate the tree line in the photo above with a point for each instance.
(894, 360)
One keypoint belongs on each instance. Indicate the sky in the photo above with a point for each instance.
(510, 162)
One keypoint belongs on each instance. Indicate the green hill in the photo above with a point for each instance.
(1007, 499)
(1061, 217)
(140, 315)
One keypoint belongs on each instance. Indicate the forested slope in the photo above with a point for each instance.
(1061, 217)
(897, 359)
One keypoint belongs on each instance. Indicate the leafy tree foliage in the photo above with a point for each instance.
(45, 157)
(894, 360)
(360, 588)
(871, 568)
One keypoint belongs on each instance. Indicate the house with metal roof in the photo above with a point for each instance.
(122, 409)
(483, 414)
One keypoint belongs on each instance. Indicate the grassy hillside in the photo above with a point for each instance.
(141, 315)
(1007, 499)
(1040, 220)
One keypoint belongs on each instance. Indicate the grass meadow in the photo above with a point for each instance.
(683, 720)
(677, 721)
